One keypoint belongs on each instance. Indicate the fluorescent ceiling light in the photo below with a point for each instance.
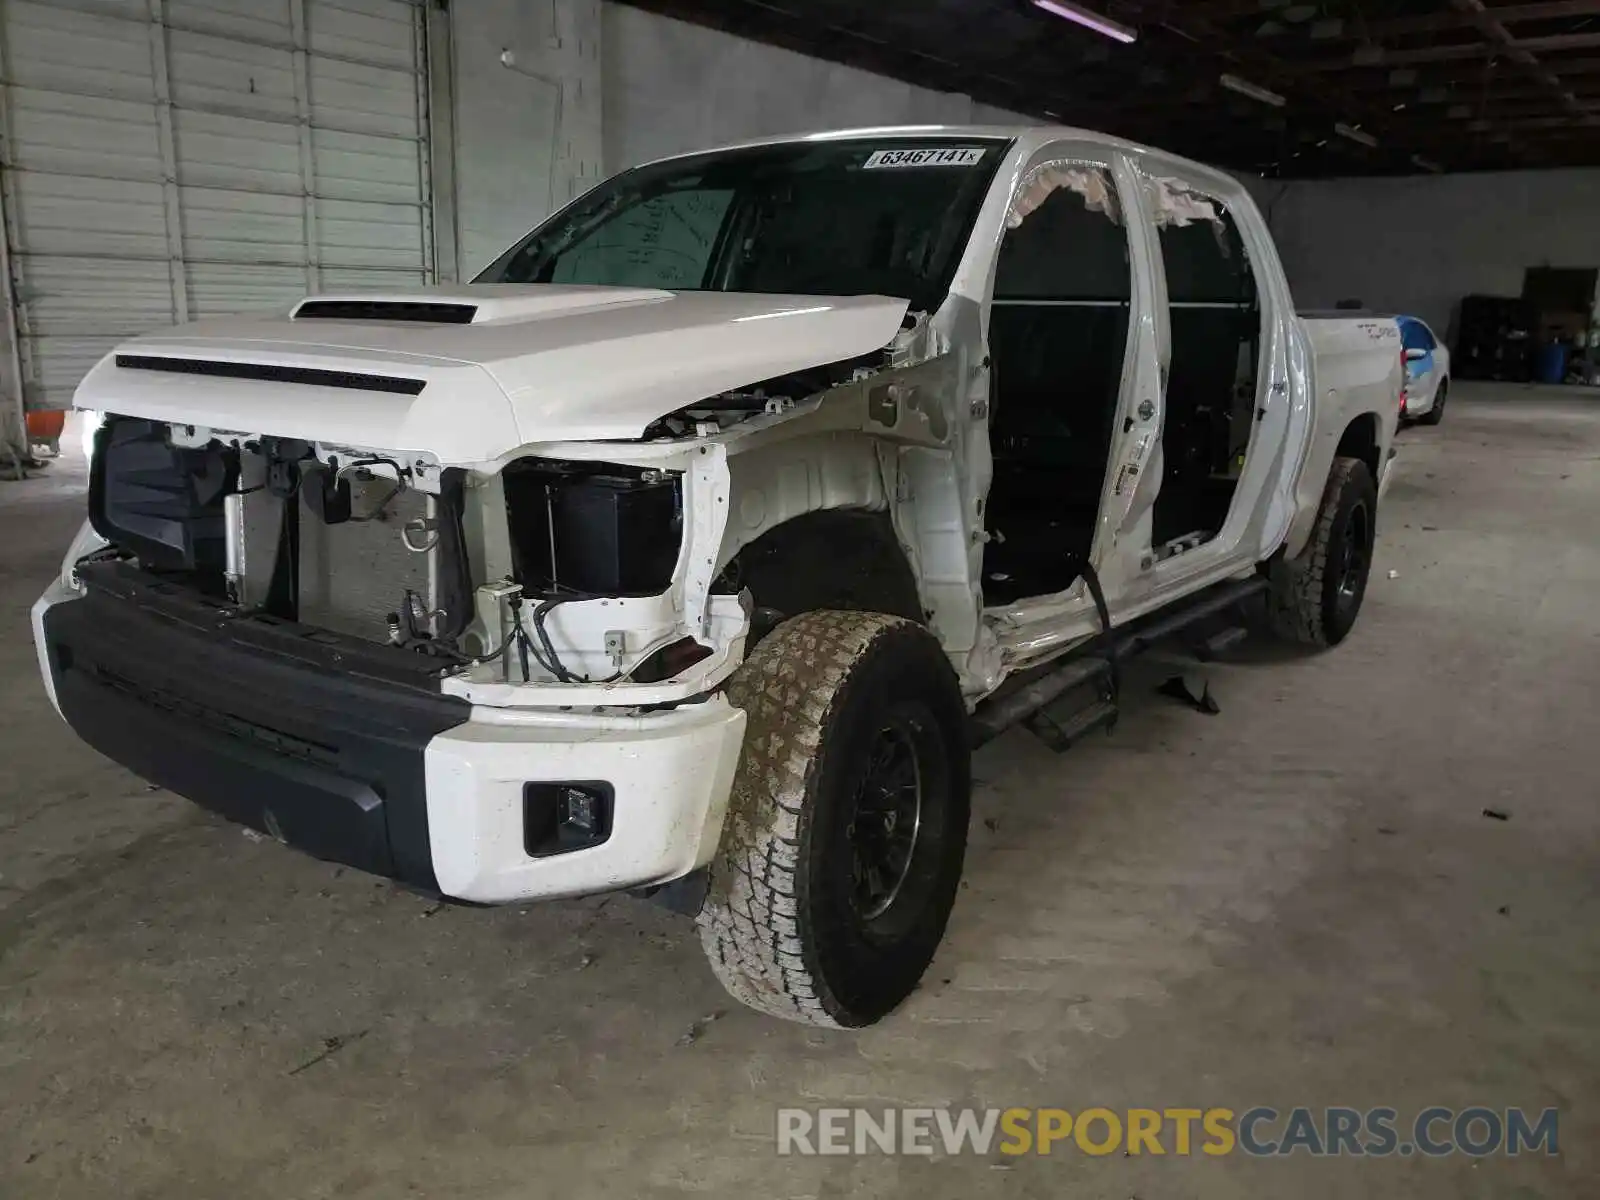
(1245, 88)
(1355, 135)
(1088, 19)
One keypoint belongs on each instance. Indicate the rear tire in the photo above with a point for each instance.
(847, 825)
(1316, 596)
(1436, 414)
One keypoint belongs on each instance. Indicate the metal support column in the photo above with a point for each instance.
(302, 116)
(440, 69)
(171, 197)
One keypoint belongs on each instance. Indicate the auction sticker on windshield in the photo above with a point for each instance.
(946, 156)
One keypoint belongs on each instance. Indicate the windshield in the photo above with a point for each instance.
(860, 217)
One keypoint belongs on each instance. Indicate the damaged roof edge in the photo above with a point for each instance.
(1029, 140)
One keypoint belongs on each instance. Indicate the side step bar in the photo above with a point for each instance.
(1063, 736)
(1093, 664)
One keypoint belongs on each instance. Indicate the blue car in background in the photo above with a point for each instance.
(1427, 372)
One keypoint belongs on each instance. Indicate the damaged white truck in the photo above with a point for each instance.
(691, 547)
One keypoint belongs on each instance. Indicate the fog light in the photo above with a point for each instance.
(579, 810)
(561, 817)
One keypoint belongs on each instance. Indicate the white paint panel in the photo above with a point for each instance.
(355, 234)
(231, 152)
(246, 20)
(218, 289)
(355, 96)
(84, 135)
(56, 48)
(232, 226)
(205, 165)
(360, 166)
(347, 279)
(371, 31)
(61, 214)
(79, 301)
(228, 76)
(82, 297)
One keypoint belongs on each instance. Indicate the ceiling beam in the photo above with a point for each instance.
(1564, 67)
(1373, 113)
(1521, 52)
(1224, 10)
(1506, 14)
(1358, 29)
(1260, 65)
(1491, 122)
(1500, 113)
(1455, 52)
(1518, 123)
(1573, 72)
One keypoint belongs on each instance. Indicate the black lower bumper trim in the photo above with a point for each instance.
(327, 761)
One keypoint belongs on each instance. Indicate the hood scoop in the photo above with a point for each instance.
(473, 305)
(424, 311)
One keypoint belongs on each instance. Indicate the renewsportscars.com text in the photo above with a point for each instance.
(1259, 1132)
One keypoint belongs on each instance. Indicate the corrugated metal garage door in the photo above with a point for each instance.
(173, 159)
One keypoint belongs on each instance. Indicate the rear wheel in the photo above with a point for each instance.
(1316, 596)
(1436, 414)
(842, 849)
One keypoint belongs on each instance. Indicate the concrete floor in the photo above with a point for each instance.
(1296, 902)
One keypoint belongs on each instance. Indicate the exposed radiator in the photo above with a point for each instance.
(354, 574)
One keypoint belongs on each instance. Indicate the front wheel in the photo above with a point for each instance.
(847, 825)
(1316, 596)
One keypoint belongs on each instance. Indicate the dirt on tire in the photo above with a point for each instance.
(759, 926)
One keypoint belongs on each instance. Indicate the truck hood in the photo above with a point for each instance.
(474, 372)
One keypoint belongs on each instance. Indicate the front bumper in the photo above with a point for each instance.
(671, 773)
(353, 754)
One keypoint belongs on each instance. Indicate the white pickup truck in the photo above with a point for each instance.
(691, 547)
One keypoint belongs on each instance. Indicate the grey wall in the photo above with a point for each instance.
(593, 87)
(671, 86)
(1419, 244)
(527, 134)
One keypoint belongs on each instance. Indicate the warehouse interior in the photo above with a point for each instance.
(1367, 881)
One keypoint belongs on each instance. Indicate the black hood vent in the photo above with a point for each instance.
(423, 312)
(272, 373)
